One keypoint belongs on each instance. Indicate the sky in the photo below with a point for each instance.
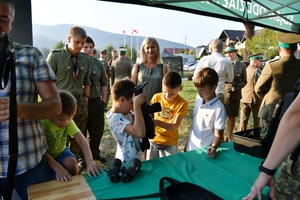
(190, 29)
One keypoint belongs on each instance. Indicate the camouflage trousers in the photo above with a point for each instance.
(287, 184)
(80, 120)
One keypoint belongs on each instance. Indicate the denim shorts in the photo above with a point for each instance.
(66, 153)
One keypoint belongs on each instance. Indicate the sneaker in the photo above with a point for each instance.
(99, 158)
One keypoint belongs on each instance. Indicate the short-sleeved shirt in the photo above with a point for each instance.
(128, 147)
(31, 67)
(207, 118)
(98, 78)
(57, 137)
(169, 111)
(62, 65)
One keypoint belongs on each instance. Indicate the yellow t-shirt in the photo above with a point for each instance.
(170, 109)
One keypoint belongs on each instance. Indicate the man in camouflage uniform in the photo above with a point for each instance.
(103, 57)
(72, 69)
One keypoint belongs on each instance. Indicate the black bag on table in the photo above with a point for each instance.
(177, 191)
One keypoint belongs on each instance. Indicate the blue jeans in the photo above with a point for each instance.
(38, 174)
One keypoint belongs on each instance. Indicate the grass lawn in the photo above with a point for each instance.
(108, 144)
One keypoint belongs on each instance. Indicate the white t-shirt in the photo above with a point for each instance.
(128, 147)
(207, 118)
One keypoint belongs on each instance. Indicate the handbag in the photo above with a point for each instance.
(177, 191)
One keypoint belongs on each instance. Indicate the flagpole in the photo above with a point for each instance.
(137, 43)
(131, 44)
(124, 36)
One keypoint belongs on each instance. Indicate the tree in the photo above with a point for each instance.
(264, 42)
(109, 48)
(59, 45)
(45, 51)
(249, 33)
(180, 51)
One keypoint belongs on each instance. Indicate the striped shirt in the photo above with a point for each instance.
(31, 67)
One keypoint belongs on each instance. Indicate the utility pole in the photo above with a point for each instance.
(184, 43)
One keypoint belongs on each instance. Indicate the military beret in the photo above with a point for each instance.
(257, 56)
(103, 51)
(288, 40)
(230, 49)
(122, 49)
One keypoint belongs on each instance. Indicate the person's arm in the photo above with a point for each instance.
(169, 126)
(286, 141)
(212, 151)
(91, 167)
(62, 175)
(165, 70)
(104, 93)
(198, 67)
(263, 81)
(50, 105)
(137, 129)
(134, 73)
(86, 92)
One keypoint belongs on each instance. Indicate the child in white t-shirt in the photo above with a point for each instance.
(208, 124)
(126, 127)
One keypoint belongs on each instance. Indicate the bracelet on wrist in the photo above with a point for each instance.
(265, 170)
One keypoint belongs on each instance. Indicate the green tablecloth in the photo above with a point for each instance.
(229, 176)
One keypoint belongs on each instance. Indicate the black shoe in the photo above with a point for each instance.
(99, 158)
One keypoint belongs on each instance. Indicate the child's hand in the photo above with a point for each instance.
(212, 152)
(63, 175)
(139, 99)
(92, 169)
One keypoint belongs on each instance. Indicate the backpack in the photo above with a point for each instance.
(281, 107)
(177, 191)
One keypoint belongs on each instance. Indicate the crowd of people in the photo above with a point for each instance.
(60, 132)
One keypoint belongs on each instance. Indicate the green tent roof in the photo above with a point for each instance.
(282, 15)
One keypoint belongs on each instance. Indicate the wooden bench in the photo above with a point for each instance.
(75, 189)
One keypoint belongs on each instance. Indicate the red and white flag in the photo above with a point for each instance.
(124, 31)
(134, 31)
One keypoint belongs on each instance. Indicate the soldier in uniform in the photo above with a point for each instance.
(250, 102)
(232, 91)
(96, 104)
(103, 57)
(121, 66)
(278, 77)
(287, 183)
(114, 56)
(72, 69)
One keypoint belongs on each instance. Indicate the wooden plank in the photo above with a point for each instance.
(75, 189)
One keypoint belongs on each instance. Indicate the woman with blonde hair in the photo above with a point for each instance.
(149, 67)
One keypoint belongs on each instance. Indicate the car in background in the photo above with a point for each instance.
(187, 65)
(192, 68)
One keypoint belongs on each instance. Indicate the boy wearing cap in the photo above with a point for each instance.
(250, 102)
(121, 66)
(232, 91)
(278, 76)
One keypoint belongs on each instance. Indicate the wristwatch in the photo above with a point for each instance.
(265, 170)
